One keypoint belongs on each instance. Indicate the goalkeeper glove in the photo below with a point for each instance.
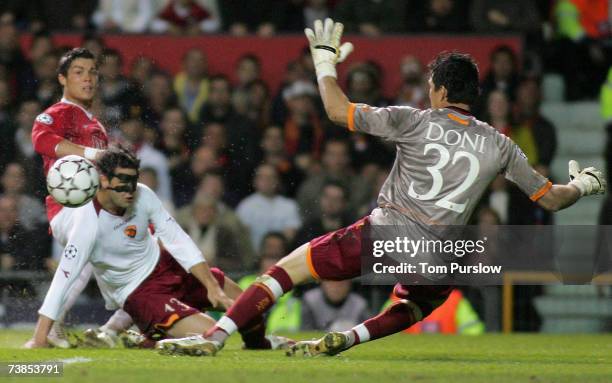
(588, 181)
(325, 47)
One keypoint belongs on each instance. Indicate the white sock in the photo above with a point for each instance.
(118, 322)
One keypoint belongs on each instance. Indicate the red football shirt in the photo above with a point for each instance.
(65, 120)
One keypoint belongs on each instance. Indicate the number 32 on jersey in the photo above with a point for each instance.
(438, 181)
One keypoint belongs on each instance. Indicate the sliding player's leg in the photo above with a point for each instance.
(397, 317)
(262, 294)
(252, 332)
(334, 256)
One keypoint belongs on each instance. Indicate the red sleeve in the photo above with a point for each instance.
(47, 132)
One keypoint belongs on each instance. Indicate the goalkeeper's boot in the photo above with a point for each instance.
(331, 343)
(57, 336)
(192, 345)
(97, 338)
(132, 339)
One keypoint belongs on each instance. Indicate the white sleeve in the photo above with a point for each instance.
(76, 254)
(175, 240)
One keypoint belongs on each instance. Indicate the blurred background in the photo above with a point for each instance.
(219, 98)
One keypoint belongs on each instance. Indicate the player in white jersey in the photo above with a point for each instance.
(445, 160)
(163, 288)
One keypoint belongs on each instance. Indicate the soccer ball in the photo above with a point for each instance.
(72, 181)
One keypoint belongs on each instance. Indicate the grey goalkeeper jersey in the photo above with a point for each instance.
(445, 159)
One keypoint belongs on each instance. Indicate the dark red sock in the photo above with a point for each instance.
(254, 335)
(257, 299)
(396, 318)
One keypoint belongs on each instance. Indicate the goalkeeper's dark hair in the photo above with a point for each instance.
(458, 73)
(117, 156)
(73, 54)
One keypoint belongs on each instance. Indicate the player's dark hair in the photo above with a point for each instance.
(73, 54)
(458, 73)
(117, 156)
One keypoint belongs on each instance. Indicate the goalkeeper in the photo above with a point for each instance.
(445, 160)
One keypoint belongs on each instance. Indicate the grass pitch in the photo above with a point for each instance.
(400, 358)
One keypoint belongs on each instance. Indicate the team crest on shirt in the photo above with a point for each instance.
(71, 251)
(44, 118)
(130, 231)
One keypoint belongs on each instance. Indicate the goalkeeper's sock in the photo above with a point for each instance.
(254, 335)
(252, 303)
(396, 318)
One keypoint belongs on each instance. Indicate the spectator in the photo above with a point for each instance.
(414, 88)
(148, 176)
(314, 10)
(141, 70)
(120, 99)
(333, 215)
(133, 16)
(223, 246)
(133, 132)
(536, 136)
(335, 167)
(159, 96)
(528, 117)
(186, 178)
(584, 30)
(265, 211)
(363, 86)
(174, 138)
(67, 15)
(241, 135)
(274, 154)
(372, 17)
(248, 70)
(42, 44)
(94, 43)
(191, 84)
(498, 112)
(20, 249)
(504, 16)
(503, 75)
(12, 61)
(31, 211)
(302, 127)
(439, 16)
(262, 17)
(258, 105)
(188, 17)
(16, 145)
(287, 311)
(333, 307)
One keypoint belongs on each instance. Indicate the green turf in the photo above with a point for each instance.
(400, 358)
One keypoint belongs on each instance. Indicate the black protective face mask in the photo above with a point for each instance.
(128, 183)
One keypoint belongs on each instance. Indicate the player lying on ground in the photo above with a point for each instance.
(435, 179)
(162, 288)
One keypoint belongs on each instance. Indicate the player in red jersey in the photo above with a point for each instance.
(68, 127)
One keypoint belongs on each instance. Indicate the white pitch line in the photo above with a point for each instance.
(78, 359)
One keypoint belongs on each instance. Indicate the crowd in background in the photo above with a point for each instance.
(235, 162)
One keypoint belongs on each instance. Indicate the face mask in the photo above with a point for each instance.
(128, 183)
